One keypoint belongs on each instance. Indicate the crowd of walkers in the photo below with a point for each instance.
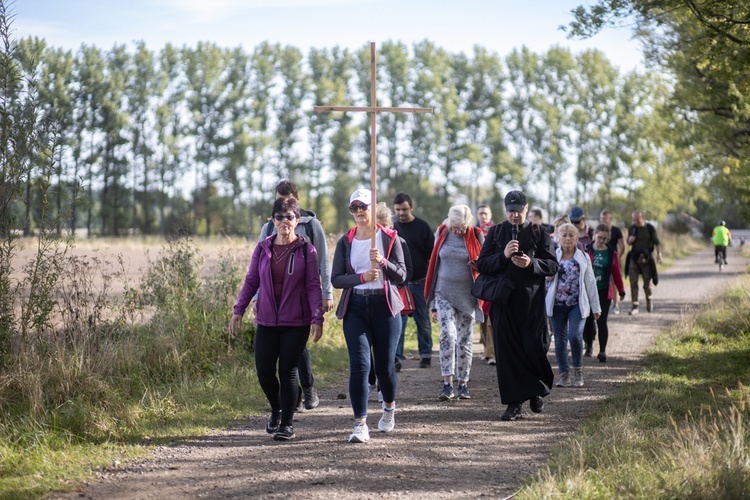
(550, 283)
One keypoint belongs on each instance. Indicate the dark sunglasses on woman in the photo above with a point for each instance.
(281, 217)
(356, 207)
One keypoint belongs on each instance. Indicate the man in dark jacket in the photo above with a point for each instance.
(522, 253)
(644, 241)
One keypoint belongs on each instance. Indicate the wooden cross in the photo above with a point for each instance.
(373, 109)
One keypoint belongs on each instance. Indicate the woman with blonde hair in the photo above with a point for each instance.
(571, 297)
(450, 274)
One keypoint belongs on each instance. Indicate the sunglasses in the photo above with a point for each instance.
(356, 207)
(281, 217)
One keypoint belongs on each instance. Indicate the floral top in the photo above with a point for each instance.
(568, 283)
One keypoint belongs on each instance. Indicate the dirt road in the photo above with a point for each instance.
(439, 449)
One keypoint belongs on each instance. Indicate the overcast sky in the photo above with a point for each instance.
(499, 25)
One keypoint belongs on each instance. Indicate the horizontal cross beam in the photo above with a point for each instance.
(371, 109)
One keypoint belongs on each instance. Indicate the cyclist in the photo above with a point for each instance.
(722, 238)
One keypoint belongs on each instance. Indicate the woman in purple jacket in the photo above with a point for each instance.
(284, 273)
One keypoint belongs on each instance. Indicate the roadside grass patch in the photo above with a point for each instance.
(679, 428)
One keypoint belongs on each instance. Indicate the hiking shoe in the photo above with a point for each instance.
(563, 379)
(463, 392)
(285, 433)
(578, 377)
(602, 356)
(513, 412)
(424, 363)
(388, 420)
(615, 310)
(446, 393)
(536, 404)
(588, 350)
(649, 305)
(360, 434)
(273, 423)
(311, 398)
(634, 311)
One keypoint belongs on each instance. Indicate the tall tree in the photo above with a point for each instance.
(205, 70)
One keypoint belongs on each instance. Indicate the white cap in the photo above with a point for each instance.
(363, 195)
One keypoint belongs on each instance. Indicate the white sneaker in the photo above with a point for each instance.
(615, 310)
(380, 396)
(360, 434)
(388, 420)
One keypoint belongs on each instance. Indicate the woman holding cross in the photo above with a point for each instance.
(370, 305)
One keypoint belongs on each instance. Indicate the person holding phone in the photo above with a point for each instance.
(521, 252)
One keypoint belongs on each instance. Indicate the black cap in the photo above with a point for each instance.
(515, 201)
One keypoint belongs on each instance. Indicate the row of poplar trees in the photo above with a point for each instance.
(193, 139)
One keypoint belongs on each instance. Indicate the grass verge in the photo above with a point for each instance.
(680, 428)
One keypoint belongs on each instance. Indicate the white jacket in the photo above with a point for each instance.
(588, 296)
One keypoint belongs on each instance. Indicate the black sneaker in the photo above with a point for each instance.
(285, 433)
(536, 404)
(397, 365)
(273, 422)
(649, 305)
(588, 350)
(602, 356)
(424, 363)
(513, 412)
(311, 398)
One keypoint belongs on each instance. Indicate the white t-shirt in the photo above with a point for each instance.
(360, 259)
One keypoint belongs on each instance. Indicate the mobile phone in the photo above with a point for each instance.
(517, 254)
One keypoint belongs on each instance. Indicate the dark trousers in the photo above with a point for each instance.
(590, 330)
(370, 330)
(720, 249)
(306, 379)
(282, 345)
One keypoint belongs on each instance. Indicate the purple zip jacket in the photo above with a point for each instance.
(301, 296)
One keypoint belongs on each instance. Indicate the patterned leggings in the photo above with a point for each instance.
(456, 344)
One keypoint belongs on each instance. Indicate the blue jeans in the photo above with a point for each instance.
(421, 317)
(567, 325)
(368, 324)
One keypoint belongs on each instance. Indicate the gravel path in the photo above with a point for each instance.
(438, 449)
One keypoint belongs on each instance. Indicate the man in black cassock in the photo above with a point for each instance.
(522, 252)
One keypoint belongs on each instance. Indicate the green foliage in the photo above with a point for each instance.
(676, 430)
(705, 46)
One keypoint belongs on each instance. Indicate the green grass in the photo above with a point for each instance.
(680, 428)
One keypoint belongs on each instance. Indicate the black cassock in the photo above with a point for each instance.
(520, 327)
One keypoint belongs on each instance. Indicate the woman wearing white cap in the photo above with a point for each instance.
(370, 305)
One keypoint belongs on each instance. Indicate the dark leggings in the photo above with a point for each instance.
(589, 331)
(282, 344)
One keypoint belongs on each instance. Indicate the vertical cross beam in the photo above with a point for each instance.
(373, 109)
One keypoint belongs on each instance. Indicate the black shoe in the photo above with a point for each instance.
(537, 404)
(285, 433)
(397, 365)
(311, 398)
(513, 412)
(588, 350)
(300, 404)
(424, 362)
(273, 422)
(649, 305)
(602, 356)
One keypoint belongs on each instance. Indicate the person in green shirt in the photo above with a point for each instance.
(722, 238)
